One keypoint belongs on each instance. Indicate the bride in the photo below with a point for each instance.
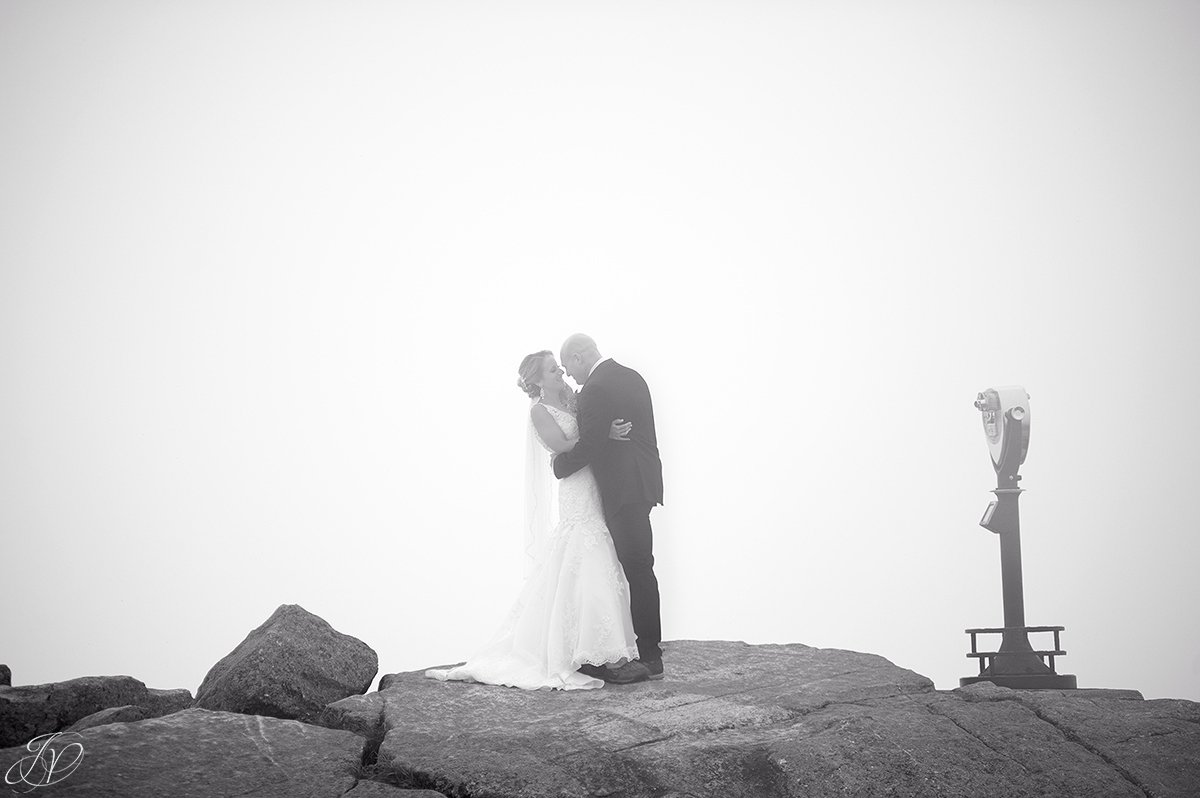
(572, 615)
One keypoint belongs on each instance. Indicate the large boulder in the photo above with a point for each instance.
(289, 667)
(730, 719)
(29, 710)
(198, 753)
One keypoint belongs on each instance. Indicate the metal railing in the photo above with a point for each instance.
(986, 658)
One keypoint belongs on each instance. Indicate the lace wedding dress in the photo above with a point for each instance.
(573, 608)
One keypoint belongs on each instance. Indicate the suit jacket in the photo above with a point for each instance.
(627, 472)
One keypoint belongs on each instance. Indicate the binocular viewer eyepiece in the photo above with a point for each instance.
(1006, 426)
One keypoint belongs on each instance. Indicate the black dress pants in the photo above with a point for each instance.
(634, 542)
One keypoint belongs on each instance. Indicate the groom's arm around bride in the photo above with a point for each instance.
(626, 472)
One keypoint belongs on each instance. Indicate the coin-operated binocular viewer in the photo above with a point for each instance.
(1017, 664)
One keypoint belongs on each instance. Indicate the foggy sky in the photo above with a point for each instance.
(267, 271)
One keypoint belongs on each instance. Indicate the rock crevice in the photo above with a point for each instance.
(1076, 739)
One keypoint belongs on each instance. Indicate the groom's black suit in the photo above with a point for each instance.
(629, 475)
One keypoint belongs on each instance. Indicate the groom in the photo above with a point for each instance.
(629, 475)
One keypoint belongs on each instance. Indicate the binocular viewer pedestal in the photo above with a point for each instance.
(1016, 664)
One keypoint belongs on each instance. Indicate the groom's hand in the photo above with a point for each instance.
(619, 429)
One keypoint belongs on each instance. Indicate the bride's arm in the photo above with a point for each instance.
(549, 431)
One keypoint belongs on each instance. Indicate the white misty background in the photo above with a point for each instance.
(267, 271)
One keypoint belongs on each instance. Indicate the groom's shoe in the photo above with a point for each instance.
(654, 666)
(633, 671)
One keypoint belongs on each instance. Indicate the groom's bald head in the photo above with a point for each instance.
(578, 355)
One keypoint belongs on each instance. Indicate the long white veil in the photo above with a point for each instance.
(541, 496)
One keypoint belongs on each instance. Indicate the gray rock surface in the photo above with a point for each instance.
(123, 714)
(361, 714)
(1153, 745)
(29, 710)
(289, 667)
(164, 702)
(198, 753)
(376, 789)
(729, 719)
(732, 720)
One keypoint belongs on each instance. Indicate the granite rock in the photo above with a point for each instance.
(29, 710)
(200, 753)
(377, 789)
(123, 714)
(730, 719)
(361, 714)
(289, 667)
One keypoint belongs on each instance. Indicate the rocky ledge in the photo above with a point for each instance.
(732, 719)
(729, 719)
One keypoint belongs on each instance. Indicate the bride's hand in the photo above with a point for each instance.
(619, 429)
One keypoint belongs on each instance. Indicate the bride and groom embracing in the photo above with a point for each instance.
(589, 610)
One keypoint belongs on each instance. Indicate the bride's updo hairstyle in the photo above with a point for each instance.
(530, 373)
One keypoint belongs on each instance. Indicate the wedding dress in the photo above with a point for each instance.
(574, 606)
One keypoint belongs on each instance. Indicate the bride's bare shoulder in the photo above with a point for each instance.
(542, 418)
